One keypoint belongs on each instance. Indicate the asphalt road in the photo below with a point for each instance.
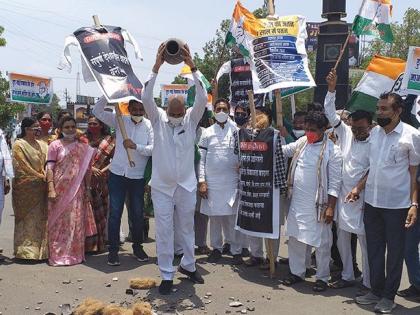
(38, 289)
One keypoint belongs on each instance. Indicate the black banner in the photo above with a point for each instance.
(241, 82)
(255, 209)
(104, 53)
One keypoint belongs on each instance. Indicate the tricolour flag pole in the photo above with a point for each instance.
(118, 112)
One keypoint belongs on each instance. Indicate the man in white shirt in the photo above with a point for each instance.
(174, 182)
(126, 180)
(390, 199)
(218, 178)
(354, 144)
(314, 185)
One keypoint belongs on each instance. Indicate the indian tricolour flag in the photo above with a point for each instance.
(243, 28)
(187, 74)
(374, 18)
(379, 77)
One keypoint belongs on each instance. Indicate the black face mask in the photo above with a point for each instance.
(384, 121)
(241, 120)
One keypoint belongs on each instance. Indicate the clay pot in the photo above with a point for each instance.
(173, 53)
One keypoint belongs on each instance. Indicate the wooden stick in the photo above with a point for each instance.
(279, 108)
(118, 113)
(252, 108)
(342, 51)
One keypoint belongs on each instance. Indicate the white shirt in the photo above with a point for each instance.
(390, 155)
(173, 151)
(355, 165)
(218, 167)
(141, 134)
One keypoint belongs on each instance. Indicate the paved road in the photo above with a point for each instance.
(26, 287)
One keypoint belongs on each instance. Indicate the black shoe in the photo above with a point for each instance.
(226, 249)
(214, 256)
(113, 259)
(283, 261)
(237, 260)
(193, 276)
(165, 287)
(254, 261)
(140, 254)
(320, 286)
(245, 252)
(411, 292)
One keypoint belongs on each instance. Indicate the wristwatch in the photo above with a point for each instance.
(194, 69)
(415, 204)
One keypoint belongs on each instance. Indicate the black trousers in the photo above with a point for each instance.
(385, 232)
(335, 254)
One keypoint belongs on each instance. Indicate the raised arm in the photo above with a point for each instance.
(147, 97)
(103, 115)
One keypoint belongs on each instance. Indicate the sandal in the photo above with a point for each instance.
(320, 286)
(292, 279)
(341, 284)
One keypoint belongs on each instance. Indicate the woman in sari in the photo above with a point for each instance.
(70, 216)
(29, 193)
(101, 140)
(45, 122)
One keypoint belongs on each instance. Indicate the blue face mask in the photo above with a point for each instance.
(241, 120)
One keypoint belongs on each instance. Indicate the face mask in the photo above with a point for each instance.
(136, 119)
(312, 136)
(221, 117)
(69, 136)
(241, 120)
(384, 121)
(95, 130)
(175, 121)
(45, 125)
(298, 133)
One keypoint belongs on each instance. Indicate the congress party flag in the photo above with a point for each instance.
(243, 28)
(374, 18)
(380, 77)
(411, 81)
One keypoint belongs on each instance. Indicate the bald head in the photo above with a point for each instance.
(176, 106)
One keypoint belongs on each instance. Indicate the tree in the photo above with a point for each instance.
(179, 80)
(405, 34)
(52, 108)
(2, 40)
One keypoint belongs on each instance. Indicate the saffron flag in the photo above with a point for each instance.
(380, 77)
(374, 18)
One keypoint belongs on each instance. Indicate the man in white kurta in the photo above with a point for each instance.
(354, 144)
(174, 182)
(315, 190)
(218, 178)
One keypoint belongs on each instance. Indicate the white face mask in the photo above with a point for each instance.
(136, 119)
(175, 121)
(69, 136)
(221, 117)
(298, 133)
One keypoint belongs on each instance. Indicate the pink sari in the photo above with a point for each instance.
(70, 215)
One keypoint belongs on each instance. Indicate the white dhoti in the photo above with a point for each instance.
(298, 255)
(224, 225)
(179, 208)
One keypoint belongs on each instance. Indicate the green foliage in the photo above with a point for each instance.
(406, 34)
(53, 108)
(2, 40)
(179, 80)
(7, 110)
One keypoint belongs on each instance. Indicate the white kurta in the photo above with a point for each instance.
(355, 166)
(302, 222)
(218, 167)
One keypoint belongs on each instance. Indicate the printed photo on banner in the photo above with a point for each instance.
(411, 80)
(81, 114)
(30, 89)
(173, 90)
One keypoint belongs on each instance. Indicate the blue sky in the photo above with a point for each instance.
(35, 30)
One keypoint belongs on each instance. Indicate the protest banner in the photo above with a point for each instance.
(240, 76)
(169, 90)
(411, 80)
(30, 89)
(258, 205)
(279, 56)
